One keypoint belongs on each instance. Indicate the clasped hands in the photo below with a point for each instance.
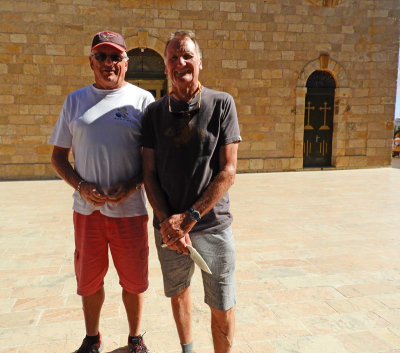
(115, 194)
(175, 232)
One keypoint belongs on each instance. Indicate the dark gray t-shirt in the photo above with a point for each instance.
(187, 150)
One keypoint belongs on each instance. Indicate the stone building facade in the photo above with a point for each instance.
(314, 81)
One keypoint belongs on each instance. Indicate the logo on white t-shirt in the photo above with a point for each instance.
(123, 114)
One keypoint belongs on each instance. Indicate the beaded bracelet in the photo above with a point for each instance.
(79, 186)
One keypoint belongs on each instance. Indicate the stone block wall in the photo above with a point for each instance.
(261, 52)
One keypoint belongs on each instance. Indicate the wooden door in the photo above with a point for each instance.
(318, 128)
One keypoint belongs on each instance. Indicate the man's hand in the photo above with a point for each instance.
(176, 227)
(180, 245)
(92, 194)
(120, 192)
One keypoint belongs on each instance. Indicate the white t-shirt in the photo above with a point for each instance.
(103, 127)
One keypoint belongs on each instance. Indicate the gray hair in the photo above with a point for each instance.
(183, 34)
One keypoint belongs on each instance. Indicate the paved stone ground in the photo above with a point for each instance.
(318, 269)
(395, 162)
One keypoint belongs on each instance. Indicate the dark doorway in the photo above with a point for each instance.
(318, 119)
(146, 70)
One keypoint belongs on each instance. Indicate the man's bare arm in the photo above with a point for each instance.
(222, 181)
(61, 164)
(158, 202)
(214, 192)
(154, 192)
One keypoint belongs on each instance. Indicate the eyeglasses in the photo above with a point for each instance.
(187, 112)
(102, 57)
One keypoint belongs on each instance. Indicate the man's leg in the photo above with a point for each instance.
(91, 310)
(223, 329)
(134, 308)
(182, 310)
(129, 250)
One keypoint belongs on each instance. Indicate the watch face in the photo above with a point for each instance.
(195, 215)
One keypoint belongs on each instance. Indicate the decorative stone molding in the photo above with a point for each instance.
(326, 3)
(324, 62)
(142, 39)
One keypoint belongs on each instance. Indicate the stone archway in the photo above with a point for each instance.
(146, 70)
(152, 47)
(143, 39)
(325, 63)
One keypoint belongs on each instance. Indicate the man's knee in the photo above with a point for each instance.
(182, 295)
(223, 316)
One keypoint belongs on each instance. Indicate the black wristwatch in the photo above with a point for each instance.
(194, 215)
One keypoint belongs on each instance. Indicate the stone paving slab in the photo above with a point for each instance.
(318, 269)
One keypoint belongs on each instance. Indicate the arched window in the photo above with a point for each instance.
(321, 79)
(146, 70)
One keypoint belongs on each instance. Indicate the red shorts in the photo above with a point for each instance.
(128, 241)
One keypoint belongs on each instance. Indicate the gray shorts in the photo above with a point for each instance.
(218, 251)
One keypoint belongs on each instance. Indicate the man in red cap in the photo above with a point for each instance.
(101, 124)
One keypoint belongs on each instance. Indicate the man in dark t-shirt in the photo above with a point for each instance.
(190, 143)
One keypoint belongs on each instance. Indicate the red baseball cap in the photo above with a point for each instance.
(109, 38)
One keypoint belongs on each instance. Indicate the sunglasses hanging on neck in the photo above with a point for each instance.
(189, 112)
